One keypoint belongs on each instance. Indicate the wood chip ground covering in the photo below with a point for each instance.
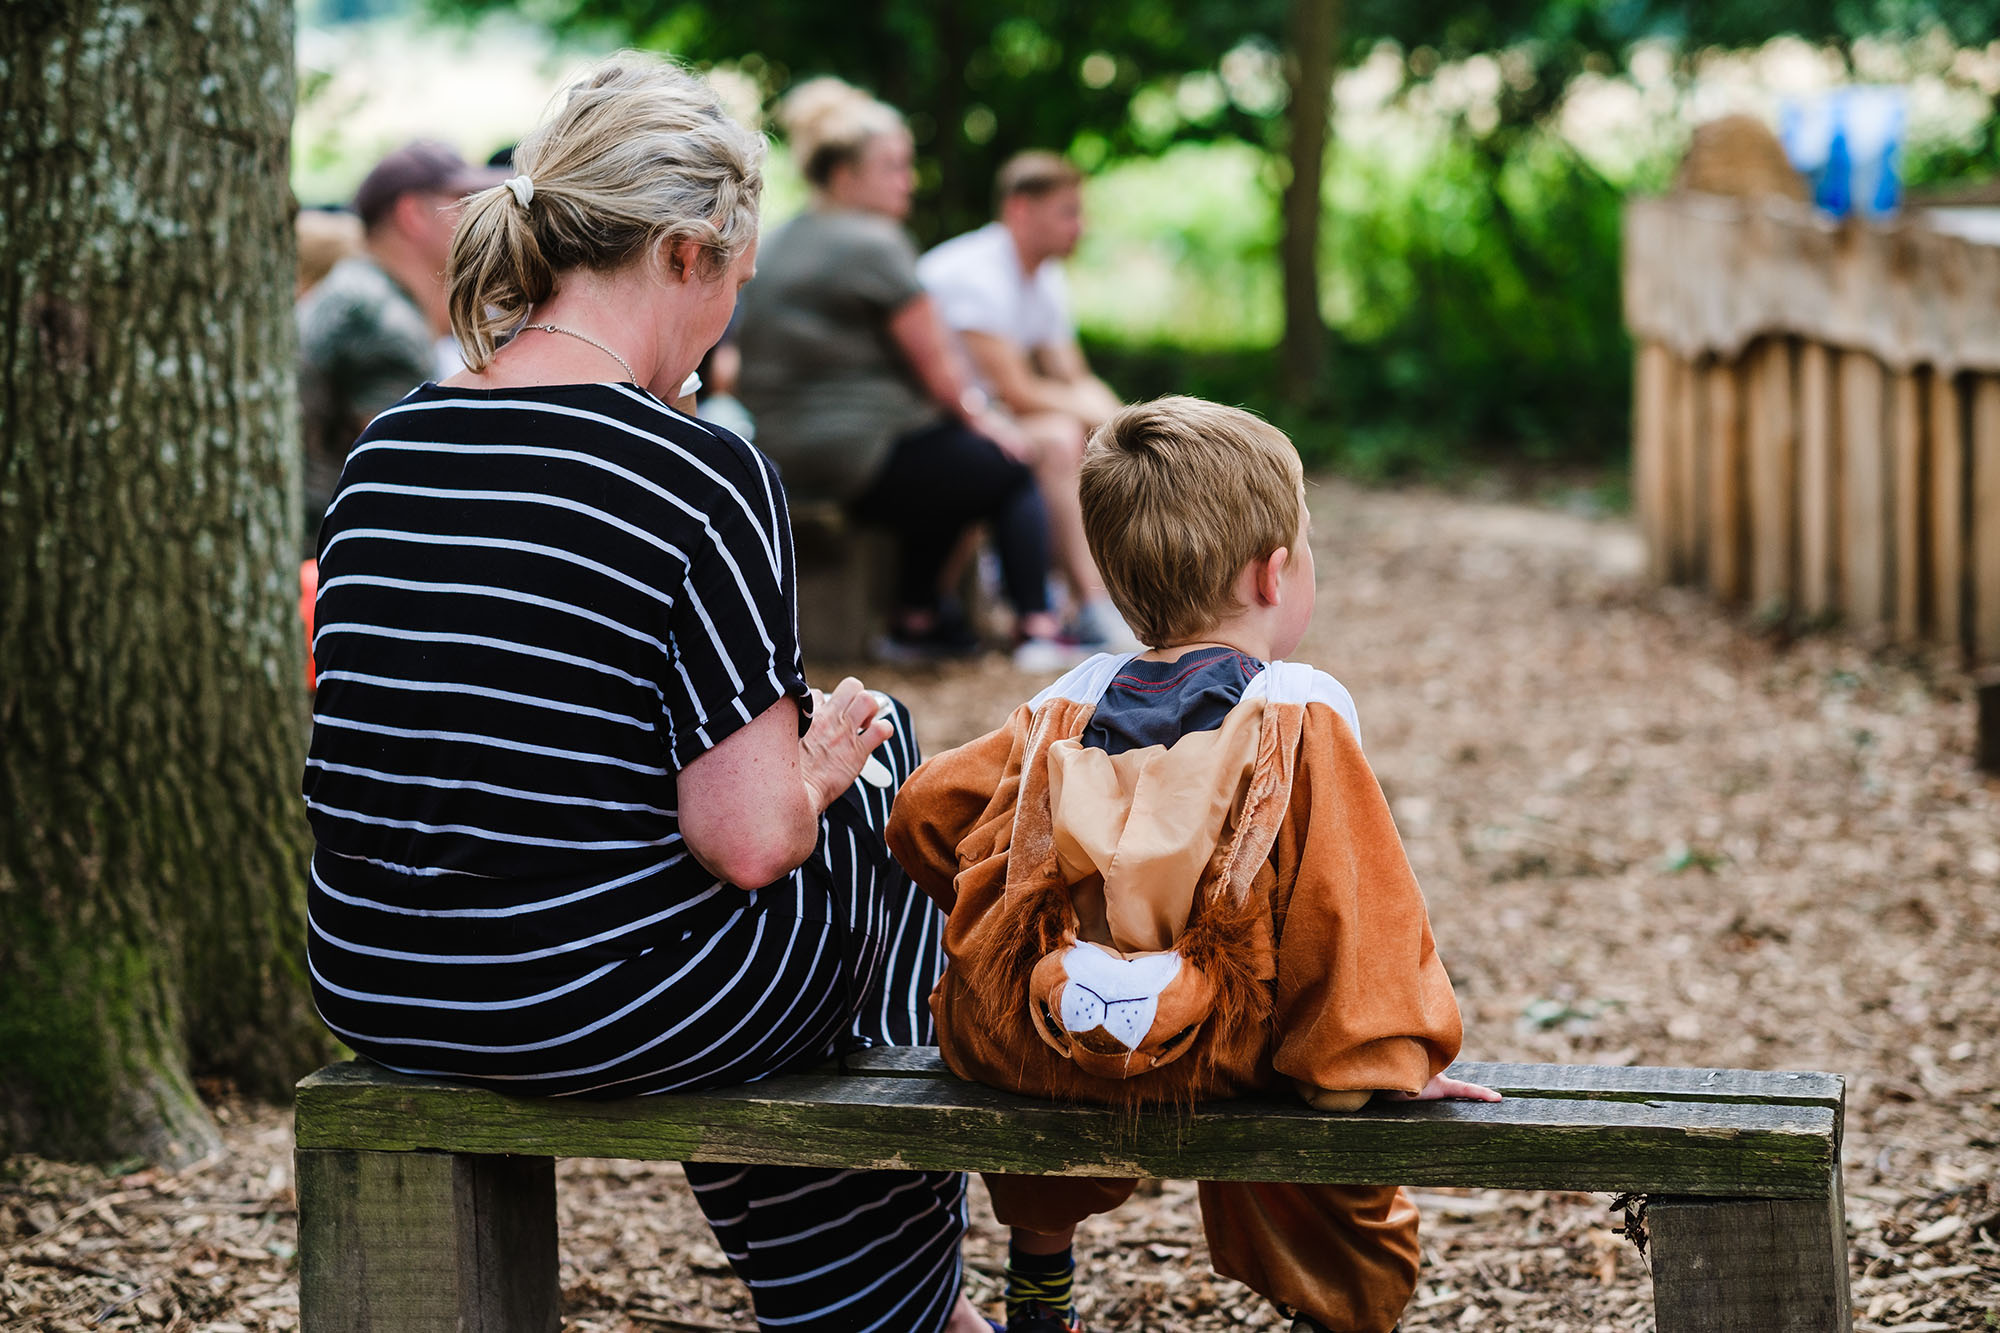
(1649, 833)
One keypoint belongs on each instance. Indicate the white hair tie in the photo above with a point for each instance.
(523, 188)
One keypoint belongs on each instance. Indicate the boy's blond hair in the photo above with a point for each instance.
(1179, 494)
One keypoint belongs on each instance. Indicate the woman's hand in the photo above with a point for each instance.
(846, 727)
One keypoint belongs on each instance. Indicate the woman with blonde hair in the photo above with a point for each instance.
(582, 827)
(857, 388)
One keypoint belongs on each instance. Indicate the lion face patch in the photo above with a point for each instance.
(1116, 1016)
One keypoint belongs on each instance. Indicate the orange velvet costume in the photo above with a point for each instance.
(1230, 914)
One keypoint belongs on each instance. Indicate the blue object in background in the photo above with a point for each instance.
(1848, 144)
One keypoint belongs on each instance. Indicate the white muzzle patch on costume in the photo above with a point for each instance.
(1120, 995)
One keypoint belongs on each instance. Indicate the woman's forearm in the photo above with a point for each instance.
(750, 807)
(745, 812)
(921, 336)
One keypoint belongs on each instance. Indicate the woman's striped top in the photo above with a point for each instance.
(535, 606)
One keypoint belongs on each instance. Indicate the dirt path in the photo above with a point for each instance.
(1647, 836)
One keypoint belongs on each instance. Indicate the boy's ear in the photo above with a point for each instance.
(1269, 573)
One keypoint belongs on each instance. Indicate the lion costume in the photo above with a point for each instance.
(1228, 913)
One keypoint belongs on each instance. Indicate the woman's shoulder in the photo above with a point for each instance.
(617, 429)
(844, 233)
(715, 451)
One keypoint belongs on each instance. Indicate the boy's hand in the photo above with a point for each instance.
(1321, 1099)
(1441, 1088)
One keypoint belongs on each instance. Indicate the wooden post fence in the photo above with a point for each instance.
(1816, 415)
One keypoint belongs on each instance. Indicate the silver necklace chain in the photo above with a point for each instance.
(557, 328)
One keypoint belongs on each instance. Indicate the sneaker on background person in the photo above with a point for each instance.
(945, 634)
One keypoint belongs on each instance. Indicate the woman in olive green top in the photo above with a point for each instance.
(857, 389)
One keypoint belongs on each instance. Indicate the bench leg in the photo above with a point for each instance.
(1738, 1265)
(424, 1242)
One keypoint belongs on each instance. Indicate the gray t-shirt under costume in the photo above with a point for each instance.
(827, 383)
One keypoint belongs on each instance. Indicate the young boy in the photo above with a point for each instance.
(1172, 876)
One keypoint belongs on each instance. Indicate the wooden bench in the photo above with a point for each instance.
(428, 1206)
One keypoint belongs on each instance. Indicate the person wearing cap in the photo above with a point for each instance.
(1001, 291)
(368, 332)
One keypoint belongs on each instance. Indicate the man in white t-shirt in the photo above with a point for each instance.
(1001, 290)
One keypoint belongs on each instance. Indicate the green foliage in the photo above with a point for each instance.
(979, 79)
(1182, 249)
(1472, 285)
(1488, 299)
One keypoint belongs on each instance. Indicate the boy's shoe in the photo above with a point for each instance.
(1034, 1317)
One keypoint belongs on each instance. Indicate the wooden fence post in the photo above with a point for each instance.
(1819, 482)
(1986, 722)
(1946, 428)
(1722, 401)
(1985, 536)
(1907, 401)
(426, 1242)
(1771, 436)
(1652, 392)
(1689, 507)
(1864, 481)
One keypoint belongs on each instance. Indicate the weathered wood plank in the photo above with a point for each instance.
(1652, 392)
(1985, 535)
(1590, 1082)
(1819, 482)
(862, 1121)
(1908, 401)
(424, 1242)
(1722, 401)
(1865, 490)
(1771, 439)
(1749, 1266)
(1946, 429)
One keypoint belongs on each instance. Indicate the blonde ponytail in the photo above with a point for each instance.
(496, 274)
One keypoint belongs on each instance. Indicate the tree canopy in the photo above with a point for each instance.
(981, 79)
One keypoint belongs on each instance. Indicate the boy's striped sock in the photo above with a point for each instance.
(1041, 1292)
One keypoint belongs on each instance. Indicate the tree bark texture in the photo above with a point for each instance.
(152, 711)
(1313, 27)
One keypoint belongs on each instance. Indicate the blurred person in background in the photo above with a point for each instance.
(859, 396)
(1001, 290)
(325, 236)
(369, 331)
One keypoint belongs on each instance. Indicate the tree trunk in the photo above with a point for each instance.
(153, 846)
(1312, 29)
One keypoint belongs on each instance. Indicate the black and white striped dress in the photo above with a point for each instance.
(535, 607)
